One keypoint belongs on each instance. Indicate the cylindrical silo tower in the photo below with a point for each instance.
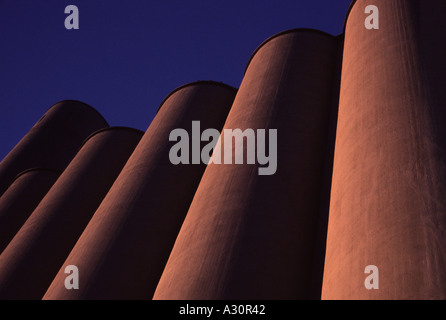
(123, 250)
(33, 257)
(252, 236)
(21, 198)
(53, 141)
(386, 232)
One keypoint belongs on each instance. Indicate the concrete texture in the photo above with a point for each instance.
(53, 141)
(387, 203)
(247, 236)
(35, 254)
(360, 181)
(123, 250)
(21, 198)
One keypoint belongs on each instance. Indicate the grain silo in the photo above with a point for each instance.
(53, 141)
(123, 250)
(35, 254)
(252, 236)
(386, 237)
(21, 198)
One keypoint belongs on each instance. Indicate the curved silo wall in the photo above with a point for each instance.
(35, 254)
(53, 141)
(387, 203)
(252, 236)
(122, 252)
(21, 198)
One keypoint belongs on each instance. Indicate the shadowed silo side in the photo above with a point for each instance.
(388, 204)
(124, 248)
(53, 141)
(21, 198)
(251, 236)
(321, 237)
(35, 254)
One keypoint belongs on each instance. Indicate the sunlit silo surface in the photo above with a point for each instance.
(248, 235)
(354, 191)
(388, 204)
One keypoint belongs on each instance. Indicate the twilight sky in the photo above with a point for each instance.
(129, 54)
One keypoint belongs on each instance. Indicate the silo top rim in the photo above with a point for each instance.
(114, 128)
(35, 169)
(196, 83)
(296, 30)
(83, 103)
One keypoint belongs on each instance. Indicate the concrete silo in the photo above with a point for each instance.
(251, 236)
(35, 254)
(53, 141)
(386, 232)
(21, 198)
(123, 250)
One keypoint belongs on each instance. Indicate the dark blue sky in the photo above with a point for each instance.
(129, 54)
